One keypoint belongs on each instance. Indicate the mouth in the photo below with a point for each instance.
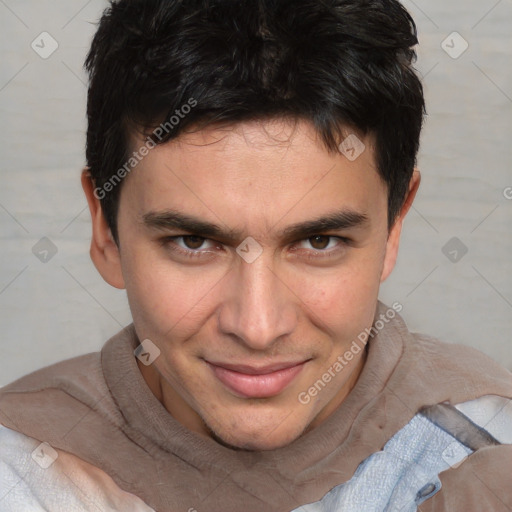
(256, 382)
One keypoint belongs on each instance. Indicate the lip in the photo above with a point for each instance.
(256, 382)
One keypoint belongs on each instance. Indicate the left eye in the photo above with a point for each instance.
(319, 242)
(192, 242)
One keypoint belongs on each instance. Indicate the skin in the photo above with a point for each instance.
(303, 299)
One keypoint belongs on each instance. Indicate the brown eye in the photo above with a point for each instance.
(193, 242)
(319, 241)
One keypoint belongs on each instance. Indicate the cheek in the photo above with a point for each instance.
(347, 288)
(342, 302)
(165, 299)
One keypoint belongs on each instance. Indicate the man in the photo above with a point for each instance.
(249, 167)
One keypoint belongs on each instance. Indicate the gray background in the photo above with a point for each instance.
(56, 309)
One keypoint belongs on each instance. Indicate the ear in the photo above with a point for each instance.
(104, 250)
(395, 232)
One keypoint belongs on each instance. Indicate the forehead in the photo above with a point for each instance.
(265, 170)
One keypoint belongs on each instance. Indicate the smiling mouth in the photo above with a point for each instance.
(252, 382)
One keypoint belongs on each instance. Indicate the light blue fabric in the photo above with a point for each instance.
(401, 476)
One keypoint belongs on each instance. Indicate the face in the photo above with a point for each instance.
(245, 326)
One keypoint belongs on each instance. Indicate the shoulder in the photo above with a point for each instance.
(81, 376)
(438, 363)
(454, 355)
(71, 396)
(452, 372)
(72, 374)
(34, 476)
(74, 384)
(430, 371)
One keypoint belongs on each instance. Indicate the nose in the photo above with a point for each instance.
(259, 307)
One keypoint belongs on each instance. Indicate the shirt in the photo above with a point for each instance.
(113, 444)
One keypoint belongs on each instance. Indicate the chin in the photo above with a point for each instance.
(251, 440)
(255, 445)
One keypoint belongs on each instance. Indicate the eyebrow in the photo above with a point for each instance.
(172, 220)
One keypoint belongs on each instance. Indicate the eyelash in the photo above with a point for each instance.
(170, 243)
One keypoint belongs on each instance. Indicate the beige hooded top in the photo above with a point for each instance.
(99, 408)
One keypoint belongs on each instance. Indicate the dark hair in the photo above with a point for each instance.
(336, 63)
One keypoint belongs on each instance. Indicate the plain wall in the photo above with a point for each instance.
(58, 309)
